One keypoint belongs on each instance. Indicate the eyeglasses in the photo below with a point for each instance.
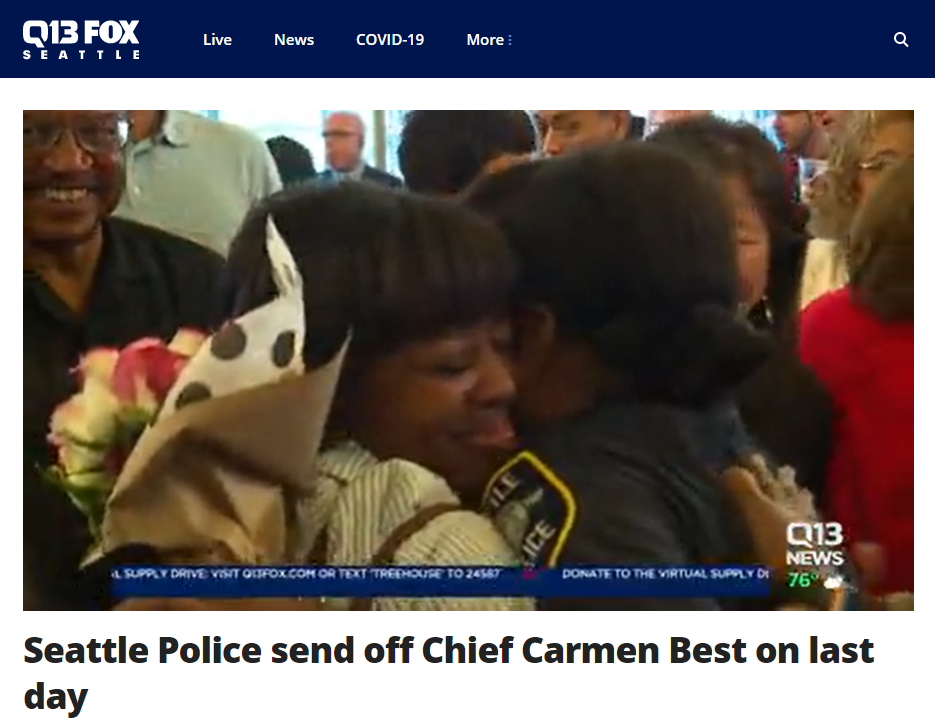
(94, 135)
(883, 161)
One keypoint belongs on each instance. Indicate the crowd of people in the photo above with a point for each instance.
(573, 339)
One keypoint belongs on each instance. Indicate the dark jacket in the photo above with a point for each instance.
(370, 174)
(783, 404)
(789, 413)
(148, 283)
(637, 130)
(626, 484)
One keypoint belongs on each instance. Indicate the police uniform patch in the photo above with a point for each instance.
(533, 509)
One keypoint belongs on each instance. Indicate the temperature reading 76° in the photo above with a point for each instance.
(802, 579)
(811, 579)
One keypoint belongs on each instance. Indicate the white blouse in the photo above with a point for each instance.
(825, 271)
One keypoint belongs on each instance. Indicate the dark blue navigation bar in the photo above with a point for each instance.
(481, 39)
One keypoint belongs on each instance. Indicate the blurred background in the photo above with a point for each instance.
(383, 129)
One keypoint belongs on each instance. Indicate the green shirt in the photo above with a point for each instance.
(197, 178)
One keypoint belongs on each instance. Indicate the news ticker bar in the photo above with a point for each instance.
(652, 581)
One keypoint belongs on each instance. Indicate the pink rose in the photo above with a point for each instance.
(146, 369)
(96, 429)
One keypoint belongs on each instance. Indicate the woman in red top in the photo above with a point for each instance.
(859, 341)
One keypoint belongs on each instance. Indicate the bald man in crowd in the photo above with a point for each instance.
(344, 151)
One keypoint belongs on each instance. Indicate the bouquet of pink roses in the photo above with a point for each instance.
(200, 450)
(121, 393)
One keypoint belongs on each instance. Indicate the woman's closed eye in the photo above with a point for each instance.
(452, 367)
(448, 358)
(461, 354)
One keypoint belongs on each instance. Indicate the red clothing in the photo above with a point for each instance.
(867, 367)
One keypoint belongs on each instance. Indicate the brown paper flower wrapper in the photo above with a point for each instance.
(219, 478)
(215, 478)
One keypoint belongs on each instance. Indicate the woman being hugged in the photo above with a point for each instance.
(249, 448)
(420, 416)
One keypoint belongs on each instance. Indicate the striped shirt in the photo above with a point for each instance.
(360, 500)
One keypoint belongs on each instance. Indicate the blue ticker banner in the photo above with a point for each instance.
(682, 581)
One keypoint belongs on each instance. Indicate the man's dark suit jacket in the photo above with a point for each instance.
(370, 174)
(637, 128)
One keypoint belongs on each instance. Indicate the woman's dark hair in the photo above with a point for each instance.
(631, 248)
(389, 266)
(740, 149)
(293, 160)
(442, 152)
(491, 193)
(737, 148)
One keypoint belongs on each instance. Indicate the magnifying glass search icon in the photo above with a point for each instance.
(900, 39)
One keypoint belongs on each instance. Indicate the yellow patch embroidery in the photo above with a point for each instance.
(533, 508)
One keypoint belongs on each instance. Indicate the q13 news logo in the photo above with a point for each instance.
(65, 32)
(815, 543)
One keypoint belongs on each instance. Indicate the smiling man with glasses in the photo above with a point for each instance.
(89, 281)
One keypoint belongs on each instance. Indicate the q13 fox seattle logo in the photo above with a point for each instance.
(69, 32)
